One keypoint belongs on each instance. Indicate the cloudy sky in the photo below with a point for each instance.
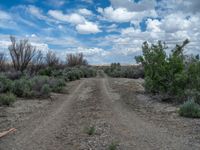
(104, 30)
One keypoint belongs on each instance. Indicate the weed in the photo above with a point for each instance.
(90, 130)
(113, 146)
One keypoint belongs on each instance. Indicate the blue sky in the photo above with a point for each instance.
(104, 31)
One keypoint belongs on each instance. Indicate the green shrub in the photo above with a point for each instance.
(38, 86)
(45, 90)
(5, 84)
(73, 75)
(57, 73)
(115, 70)
(7, 99)
(88, 72)
(46, 72)
(165, 74)
(38, 81)
(57, 85)
(190, 109)
(22, 88)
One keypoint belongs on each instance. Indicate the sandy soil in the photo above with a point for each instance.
(118, 109)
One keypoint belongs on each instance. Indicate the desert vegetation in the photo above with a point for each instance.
(170, 76)
(174, 76)
(29, 73)
(117, 71)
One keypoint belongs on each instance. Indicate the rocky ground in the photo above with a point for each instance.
(116, 111)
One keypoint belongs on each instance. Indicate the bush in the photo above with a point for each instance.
(46, 72)
(116, 70)
(45, 90)
(14, 75)
(190, 109)
(88, 72)
(38, 86)
(74, 75)
(5, 84)
(7, 99)
(76, 60)
(57, 85)
(22, 88)
(165, 74)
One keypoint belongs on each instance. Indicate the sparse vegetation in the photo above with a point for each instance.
(90, 130)
(190, 109)
(169, 74)
(7, 99)
(76, 60)
(116, 70)
(45, 90)
(113, 146)
(32, 74)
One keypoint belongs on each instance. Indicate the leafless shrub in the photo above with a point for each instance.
(76, 60)
(51, 59)
(37, 62)
(21, 53)
(2, 61)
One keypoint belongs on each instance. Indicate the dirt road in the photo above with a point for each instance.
(100, 103)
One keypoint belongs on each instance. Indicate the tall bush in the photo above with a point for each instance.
(164, 74)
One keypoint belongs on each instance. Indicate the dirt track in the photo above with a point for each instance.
(98, 102)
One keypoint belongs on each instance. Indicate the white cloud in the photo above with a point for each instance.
(176, 21)
(35, 11)
(142, 5)
(121, 15)
(112, 28)
(87, 28)
(71, 18)
(153, 25)
(55, 3)
(81, 24)
(180, 5)
(4, 16)
(85, 12)
(94, 55)
(117, 15)
(90, 52)
(6, 21)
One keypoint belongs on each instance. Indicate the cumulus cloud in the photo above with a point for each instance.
(87, 28)
(180, 5)
(117, 15)
(121, 15)
(94, 55)
(82, 25)
(71, 18)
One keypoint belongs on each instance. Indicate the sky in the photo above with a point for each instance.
(104, 31)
